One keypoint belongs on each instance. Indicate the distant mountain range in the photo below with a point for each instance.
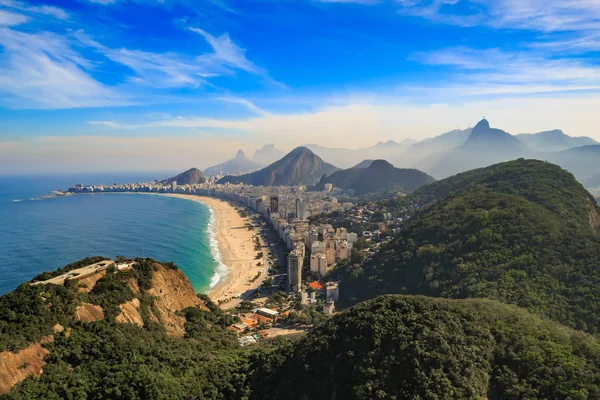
(452, 152)
(192, 176)
(346, 158)
(379, 175)
(237, 165)
(555, 140)
(300, 167)
(268, 154)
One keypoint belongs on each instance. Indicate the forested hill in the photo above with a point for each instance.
(379, 175)
(537, 181)
(512, 237)
(402, 347)
(405, 347)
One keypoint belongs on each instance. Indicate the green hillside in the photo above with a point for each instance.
(540, 182)
(511, 237)
(379, 175)
(405, 347)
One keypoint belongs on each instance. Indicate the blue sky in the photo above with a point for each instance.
(142, 83)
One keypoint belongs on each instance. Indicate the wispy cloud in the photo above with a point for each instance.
(496, 71)
(227, 53)
(161, 70)
(365, 2)
(245, 103)
(8, 18)
(544, 16)
(43, 9)
(391, 118)
(43, 71)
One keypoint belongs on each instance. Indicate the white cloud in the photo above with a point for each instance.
(166, 70)
(42, 71)
(246, 103)
(537, 15)
(363, 123)
(365, 2)
(496, 71)
(227, 53)
(8, 18)
(43, 9)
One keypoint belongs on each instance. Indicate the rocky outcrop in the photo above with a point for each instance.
(15, 367)
(87, 312)
(130, 313)
(172, 293)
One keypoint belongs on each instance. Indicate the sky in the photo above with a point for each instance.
(130, 85)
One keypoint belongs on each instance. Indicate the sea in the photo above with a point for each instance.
(41, 234)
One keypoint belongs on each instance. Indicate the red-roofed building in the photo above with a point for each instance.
(317, 285)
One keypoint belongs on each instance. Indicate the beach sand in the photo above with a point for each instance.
(237, 252)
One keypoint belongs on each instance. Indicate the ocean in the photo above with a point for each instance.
(38, 235)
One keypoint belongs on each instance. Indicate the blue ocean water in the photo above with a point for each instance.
(41, 235)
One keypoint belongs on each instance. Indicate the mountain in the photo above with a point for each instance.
(268, 154)
(349, 157)
(299, 167)
(238, 165)
(581, 161)
(555, 140)
(429, 149)
(412, 347)
(192, 176)
(380, 175)
(523, 232)
(485, 138)
(364, 164)
(94, 324)
(143, 334)
(484, 146)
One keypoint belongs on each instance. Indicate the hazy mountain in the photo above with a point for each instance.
(555, 140)
(192, 176)
(237, 165)
(364, 164)
(484, 146)
(349, 157)
(484, 138)
(268, 154)
(379, 175)
(300, 167)
(581, 161)
(429, 148)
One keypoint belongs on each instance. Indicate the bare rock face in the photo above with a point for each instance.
(15, 367)
(87, 312)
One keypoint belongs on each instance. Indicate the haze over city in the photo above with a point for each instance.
(104, 85)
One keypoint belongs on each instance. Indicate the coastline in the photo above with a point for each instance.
(233, 249)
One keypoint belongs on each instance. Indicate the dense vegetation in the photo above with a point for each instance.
(504, 239)
(404, 347)
(380, 175)
(539, 182)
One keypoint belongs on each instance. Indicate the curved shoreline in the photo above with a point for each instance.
(233, 251)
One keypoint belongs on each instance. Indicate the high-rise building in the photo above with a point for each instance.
(173, 186)
(294, 272)
(274, 204)
(322, 264)
(300, 209)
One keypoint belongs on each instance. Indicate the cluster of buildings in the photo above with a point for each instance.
(287, 209)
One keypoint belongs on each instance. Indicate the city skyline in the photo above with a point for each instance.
(141, 85)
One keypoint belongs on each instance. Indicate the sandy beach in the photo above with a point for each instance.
(236, 248)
